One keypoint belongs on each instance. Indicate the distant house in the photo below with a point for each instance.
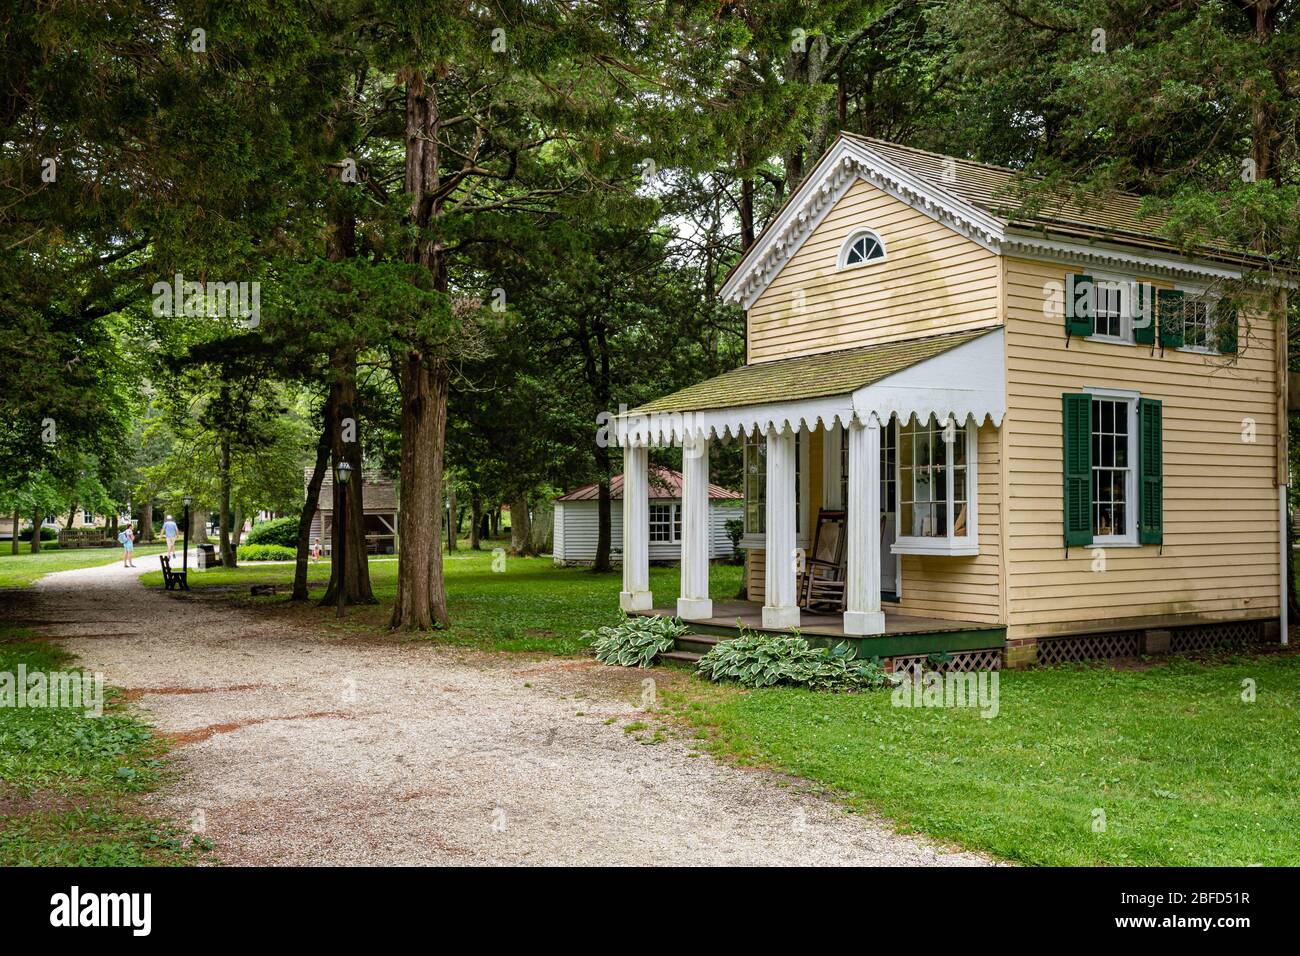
(576, 519)
(379, 496)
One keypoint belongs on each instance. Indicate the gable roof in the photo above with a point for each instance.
(994, 189)
(665, 483)
(807, 376)
(978, 201)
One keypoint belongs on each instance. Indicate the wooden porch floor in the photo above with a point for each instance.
(750, 614)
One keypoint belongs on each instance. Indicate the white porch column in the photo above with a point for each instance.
(862, 614)
(635, 595)
(694, 603)
(780, 607)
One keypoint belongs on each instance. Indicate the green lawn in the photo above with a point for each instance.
(71, 785)
(25, 569)
(529, 606)
(1184, 771)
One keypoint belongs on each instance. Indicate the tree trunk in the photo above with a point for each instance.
(309, 509)
(424, 380)
(604, 521)
(521, 535)
(36, 531)
(475, 521)
(453, 519)
(72, 515)
(494, 522)
(421, 600)
(343, 393)
(223, 506)
(146, 521)
(13, 545)
(198, 525)
(112, 525)
(237, 529)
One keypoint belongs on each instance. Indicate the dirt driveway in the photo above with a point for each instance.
(302, 749)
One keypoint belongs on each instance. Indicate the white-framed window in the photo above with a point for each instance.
(1199, 334)
(665, 524)
(860, 248)
(1114, 434)
(1109, 312)
(836, 467)
(755, 487)
(87, 517)
(935, 488)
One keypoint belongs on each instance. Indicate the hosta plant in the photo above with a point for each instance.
(766, 660)
(635, 641)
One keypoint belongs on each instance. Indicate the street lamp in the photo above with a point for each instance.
(342, 472)
(185, 554)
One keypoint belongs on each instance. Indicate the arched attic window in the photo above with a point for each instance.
(860, 248)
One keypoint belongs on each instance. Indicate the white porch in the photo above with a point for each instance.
(936, 390)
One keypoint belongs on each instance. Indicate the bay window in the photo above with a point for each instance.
(936, 488)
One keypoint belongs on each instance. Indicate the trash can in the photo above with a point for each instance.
(206, 557)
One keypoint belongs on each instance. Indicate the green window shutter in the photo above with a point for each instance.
(1080, 304)
(1225, 327)
(1144, 316)
(1151, 472)
(1076, 420)
(1171, 318)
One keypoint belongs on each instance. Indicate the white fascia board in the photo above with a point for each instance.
(1114, 258)
(966, 381)
(844, 164)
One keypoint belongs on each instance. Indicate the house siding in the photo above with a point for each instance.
(1219, 559)
(577, 528)
(932, 280)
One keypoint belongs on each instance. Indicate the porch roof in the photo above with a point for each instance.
(956, 373)
(807, 376)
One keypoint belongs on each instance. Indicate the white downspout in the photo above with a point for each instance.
(1283, 594)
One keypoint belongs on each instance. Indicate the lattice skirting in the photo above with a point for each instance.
(1228, 636)
(959, 661)
(1089, 647)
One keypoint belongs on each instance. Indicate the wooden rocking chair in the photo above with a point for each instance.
(821, 584)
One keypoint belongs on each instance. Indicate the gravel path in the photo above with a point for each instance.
(298, 748)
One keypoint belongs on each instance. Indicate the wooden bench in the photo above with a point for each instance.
(172, 580)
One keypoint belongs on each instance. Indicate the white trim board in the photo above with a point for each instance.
(848, 161)
(968, 381)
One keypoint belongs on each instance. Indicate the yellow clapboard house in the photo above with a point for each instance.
(972, 430)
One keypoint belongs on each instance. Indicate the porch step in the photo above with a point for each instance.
(697, 644)
(685, 657)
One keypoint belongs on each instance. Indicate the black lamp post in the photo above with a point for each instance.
(185, 554)
(342, 472)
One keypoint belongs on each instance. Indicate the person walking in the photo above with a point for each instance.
(127, 538)
(170, 532)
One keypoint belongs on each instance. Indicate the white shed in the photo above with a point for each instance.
(576, 519)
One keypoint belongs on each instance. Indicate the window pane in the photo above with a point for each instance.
(1110, 466)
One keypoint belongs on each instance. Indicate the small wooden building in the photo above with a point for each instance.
(379, 496)
(1055, 435)
(576, 517)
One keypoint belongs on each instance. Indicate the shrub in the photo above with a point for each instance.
(281, 531)
(735, 529)
(635, 640)
(47, 534)
(265, 552)
(765, 660)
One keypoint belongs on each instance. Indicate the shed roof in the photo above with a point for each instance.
(378, 494)
(665, 483)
